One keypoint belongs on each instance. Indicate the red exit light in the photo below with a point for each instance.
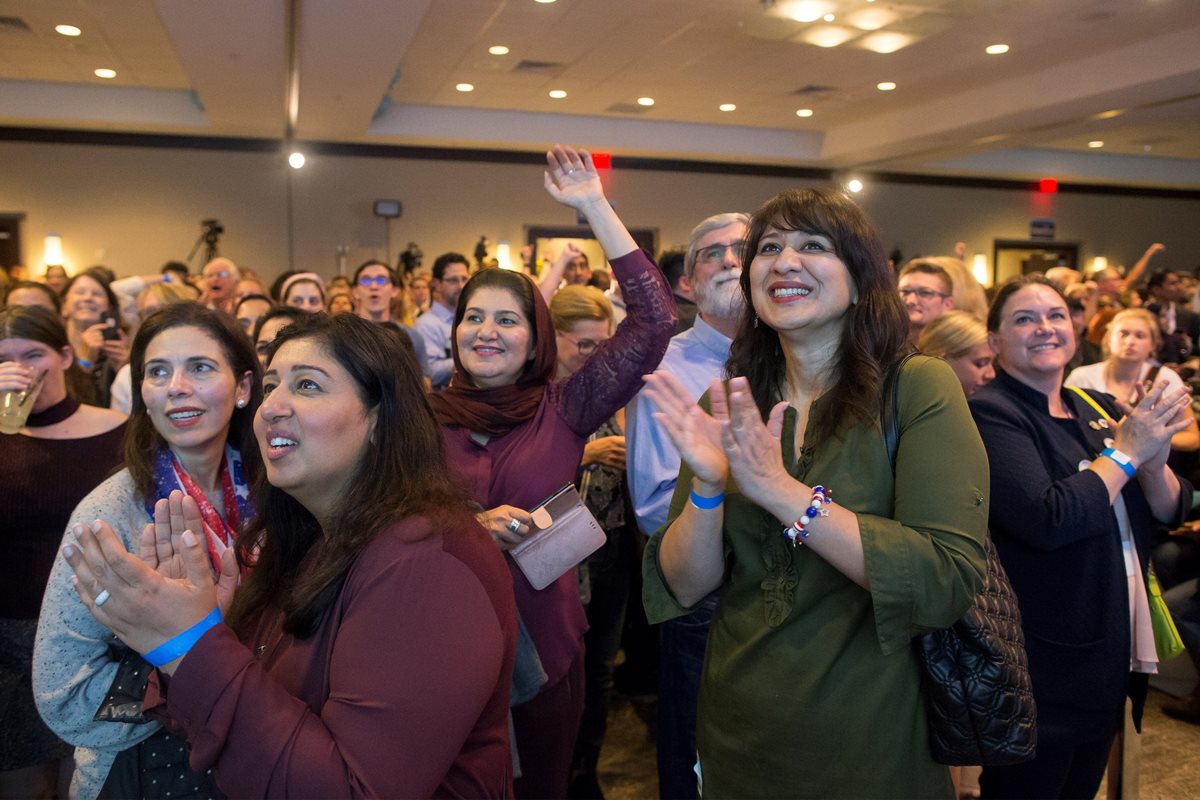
(602, 160)
(1045, 185)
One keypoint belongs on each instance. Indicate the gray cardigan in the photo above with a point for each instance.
(72, 668)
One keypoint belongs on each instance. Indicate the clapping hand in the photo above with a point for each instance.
(141, 606)
(1145, 432)
(572, 178)
(752, 446)
(695, 433)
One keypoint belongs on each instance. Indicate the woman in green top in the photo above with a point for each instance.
(810, 686)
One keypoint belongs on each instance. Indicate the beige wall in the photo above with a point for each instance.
(134, 208)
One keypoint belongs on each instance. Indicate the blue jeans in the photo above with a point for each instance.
(681, 641)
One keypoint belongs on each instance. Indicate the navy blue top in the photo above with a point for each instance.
(1057, 537)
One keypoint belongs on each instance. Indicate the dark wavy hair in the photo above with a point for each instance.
(300, 567)
(1011, 287)
(876, 326)
(142, 439)
(100, 276)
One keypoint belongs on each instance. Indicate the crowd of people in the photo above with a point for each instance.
(264, 534)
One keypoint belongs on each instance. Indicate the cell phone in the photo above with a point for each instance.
(111, 332)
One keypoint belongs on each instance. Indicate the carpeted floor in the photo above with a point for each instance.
(1170, 753)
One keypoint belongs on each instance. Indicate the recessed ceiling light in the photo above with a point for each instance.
(498, 50)
(465, 87)
(804, 112)
(886, 86)
(1095, 144)
(885, 41)
(1115, 112)
(996, 49)
(68, 30)
(870, 19)
(544, 2)
(296, 160)
(827, 35)
(829, 17)
(105, 72)
(557, 94)
(727, 107)
(645, 101)
(854, 185)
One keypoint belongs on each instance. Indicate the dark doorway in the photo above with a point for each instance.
(10, 239)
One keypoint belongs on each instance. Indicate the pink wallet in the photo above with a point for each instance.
(565, 533)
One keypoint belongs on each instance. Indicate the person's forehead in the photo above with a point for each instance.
(730, 233)
(922, 279)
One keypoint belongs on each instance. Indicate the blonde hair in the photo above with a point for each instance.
(951, 335)
(572, 304)
(1142, 314)
(166, 293)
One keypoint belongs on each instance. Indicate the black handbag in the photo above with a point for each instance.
(974, 674)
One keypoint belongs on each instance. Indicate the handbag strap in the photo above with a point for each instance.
(889, 408)
(1091, 401)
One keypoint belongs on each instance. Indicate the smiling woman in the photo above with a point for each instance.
(823, 608)
(1094, 492)
(195, 390)
(369, 650)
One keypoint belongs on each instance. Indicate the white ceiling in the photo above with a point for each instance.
(384, 72)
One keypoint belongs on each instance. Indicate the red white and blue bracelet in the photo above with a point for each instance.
(797, 532)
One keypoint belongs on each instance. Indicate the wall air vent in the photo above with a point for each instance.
(814, 90)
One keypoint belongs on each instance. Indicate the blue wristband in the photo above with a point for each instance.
(172, 649)
(1121, 460)
(707, 503)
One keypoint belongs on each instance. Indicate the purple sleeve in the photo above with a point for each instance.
(613, 374)
(405, 691)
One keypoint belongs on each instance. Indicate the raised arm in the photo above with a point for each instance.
(1135, 272)
(613, 374)
(549, 282)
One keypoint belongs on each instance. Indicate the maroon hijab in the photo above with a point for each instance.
(497, 411)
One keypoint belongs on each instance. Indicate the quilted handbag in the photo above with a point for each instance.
(975, 674)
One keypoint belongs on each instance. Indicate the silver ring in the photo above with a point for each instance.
(570, 170)
(515, 525)
(102, 598)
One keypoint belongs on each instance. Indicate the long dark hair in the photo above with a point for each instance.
(300, 567)
(142, 439)
(876, 326)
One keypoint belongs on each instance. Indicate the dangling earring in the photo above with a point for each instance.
(755, 319)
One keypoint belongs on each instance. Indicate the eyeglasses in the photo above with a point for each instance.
(376, 280)
(586, 346)
(923, 293)
(715, 253)
(222, 274)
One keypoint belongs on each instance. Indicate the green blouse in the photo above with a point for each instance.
(810, 686)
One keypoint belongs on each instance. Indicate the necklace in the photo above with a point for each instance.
(54, 414)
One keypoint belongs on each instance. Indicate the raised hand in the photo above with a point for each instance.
(1146, 430)
(160, 546)
(142, 607)
(752, 448)
(572, 178)
(695, 434)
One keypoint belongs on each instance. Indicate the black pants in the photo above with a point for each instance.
(1071, 772)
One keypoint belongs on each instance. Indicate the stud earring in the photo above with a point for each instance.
(241, 403)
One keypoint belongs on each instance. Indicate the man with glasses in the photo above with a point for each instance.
(375, 287)
(450, 273)
(927, 292)
(218, 279)
(711, 271)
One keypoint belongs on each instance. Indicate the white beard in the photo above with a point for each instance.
(721, 300)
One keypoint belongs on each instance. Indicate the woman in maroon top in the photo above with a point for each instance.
(370, 650)
(62, 453)
(514, 438)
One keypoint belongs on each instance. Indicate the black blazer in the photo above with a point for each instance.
(1058, 539)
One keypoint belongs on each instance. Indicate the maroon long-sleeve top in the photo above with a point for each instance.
(401, 692)
(533, 460)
